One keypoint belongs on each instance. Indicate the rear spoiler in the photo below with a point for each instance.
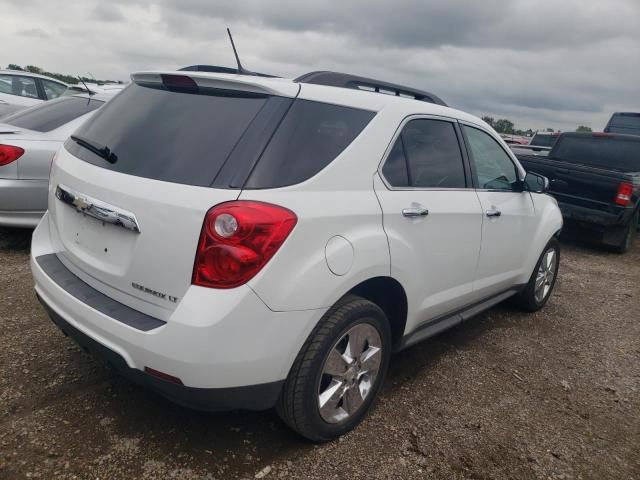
(243, 83)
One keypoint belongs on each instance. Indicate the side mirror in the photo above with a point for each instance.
(536, 183)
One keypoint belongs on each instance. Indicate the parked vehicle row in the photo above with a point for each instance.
(238, 241)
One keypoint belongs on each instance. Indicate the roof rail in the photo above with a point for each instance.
(345, 80)
(218, 69)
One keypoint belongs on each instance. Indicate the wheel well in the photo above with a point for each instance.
(389, 295)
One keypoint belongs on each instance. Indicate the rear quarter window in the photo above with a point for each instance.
(310, 137)
(50, 115)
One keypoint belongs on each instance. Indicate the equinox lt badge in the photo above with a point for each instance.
(155, 293)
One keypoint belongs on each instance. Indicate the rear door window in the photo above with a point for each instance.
(18, 85)
(50, 115)
(311, 135)
(426, 155)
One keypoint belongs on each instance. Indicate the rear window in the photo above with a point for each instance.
(221, 138)
(543, 140)
(170, 136)
(625, 123)
(50, 115)
(621, 154)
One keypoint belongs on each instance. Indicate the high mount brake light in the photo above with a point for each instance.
(624, 194)
(181, 83)
(237, 240)
(9, 154)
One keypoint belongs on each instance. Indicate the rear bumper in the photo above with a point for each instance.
(594, 219)
(227, 348)
(253, 397)
(22, 202)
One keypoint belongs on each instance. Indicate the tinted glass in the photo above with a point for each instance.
(51, 115)
(310, 136)
(494, 167)
(53, 89)
(625, 123)
(621, 154)
(431, 154)
(17, 85)
(543, 140)
(5, 84)
(395, 167)
(170, 136)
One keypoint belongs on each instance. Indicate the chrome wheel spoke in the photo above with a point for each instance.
(336, 364)
(370, 359)
(332, 395)
(353, 400)
(356, 343)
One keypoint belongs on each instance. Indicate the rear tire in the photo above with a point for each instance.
(543, 279)
(629, 235)
(323, 373)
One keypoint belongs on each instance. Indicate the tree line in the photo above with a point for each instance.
(504, 125)
(70, 79)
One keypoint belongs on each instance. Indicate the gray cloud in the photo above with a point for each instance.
(542, 64)
(105, 12)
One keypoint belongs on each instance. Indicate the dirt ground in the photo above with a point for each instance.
(554, 394)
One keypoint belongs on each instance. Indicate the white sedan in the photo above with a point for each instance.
(20, 89)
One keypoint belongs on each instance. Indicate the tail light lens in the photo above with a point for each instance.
(9, 153)
(238, 239)
(625, 192)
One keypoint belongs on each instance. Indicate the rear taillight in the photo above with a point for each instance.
(9, 153)
(237, 239)
(625, 192)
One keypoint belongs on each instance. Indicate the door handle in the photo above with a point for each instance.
(493, 212)
(562, 170)
(415, 212)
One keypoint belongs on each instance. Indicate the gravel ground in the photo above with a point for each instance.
(554, 394)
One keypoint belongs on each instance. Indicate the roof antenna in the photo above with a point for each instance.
(241, 70)
(88, 91)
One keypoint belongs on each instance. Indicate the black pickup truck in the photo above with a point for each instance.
(596, 179)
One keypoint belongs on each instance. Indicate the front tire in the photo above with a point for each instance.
(338, 372)
(543, 279)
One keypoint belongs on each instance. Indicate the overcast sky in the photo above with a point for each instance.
(540, 63)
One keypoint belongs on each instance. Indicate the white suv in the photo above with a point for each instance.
(236, 241)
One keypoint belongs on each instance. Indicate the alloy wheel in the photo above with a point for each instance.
(349, 373)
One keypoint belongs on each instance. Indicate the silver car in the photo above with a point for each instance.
(28, 141)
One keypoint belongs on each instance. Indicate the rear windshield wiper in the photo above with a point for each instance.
(101, 150)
